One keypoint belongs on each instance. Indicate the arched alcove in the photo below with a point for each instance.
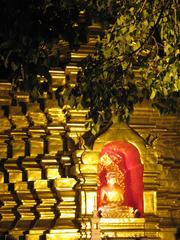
(121, 160)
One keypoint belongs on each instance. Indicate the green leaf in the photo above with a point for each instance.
(153, 94)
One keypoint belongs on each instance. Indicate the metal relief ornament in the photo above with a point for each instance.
(110, 164)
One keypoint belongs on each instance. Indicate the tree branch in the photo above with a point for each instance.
(153, 29)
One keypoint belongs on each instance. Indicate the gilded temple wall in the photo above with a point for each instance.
(48, 175)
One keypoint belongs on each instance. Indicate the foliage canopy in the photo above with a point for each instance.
(137, 54)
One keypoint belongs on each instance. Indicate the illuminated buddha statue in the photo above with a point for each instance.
(112, 193)
(112, 198)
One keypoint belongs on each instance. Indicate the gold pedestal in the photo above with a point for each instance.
(116, 228)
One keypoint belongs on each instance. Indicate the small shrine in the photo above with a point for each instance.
(122, 172)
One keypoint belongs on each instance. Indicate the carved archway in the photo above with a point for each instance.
(123, 158)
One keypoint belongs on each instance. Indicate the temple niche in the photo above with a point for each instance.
(120, 181)
(124, 199)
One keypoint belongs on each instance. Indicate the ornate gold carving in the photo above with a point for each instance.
(110, 165)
